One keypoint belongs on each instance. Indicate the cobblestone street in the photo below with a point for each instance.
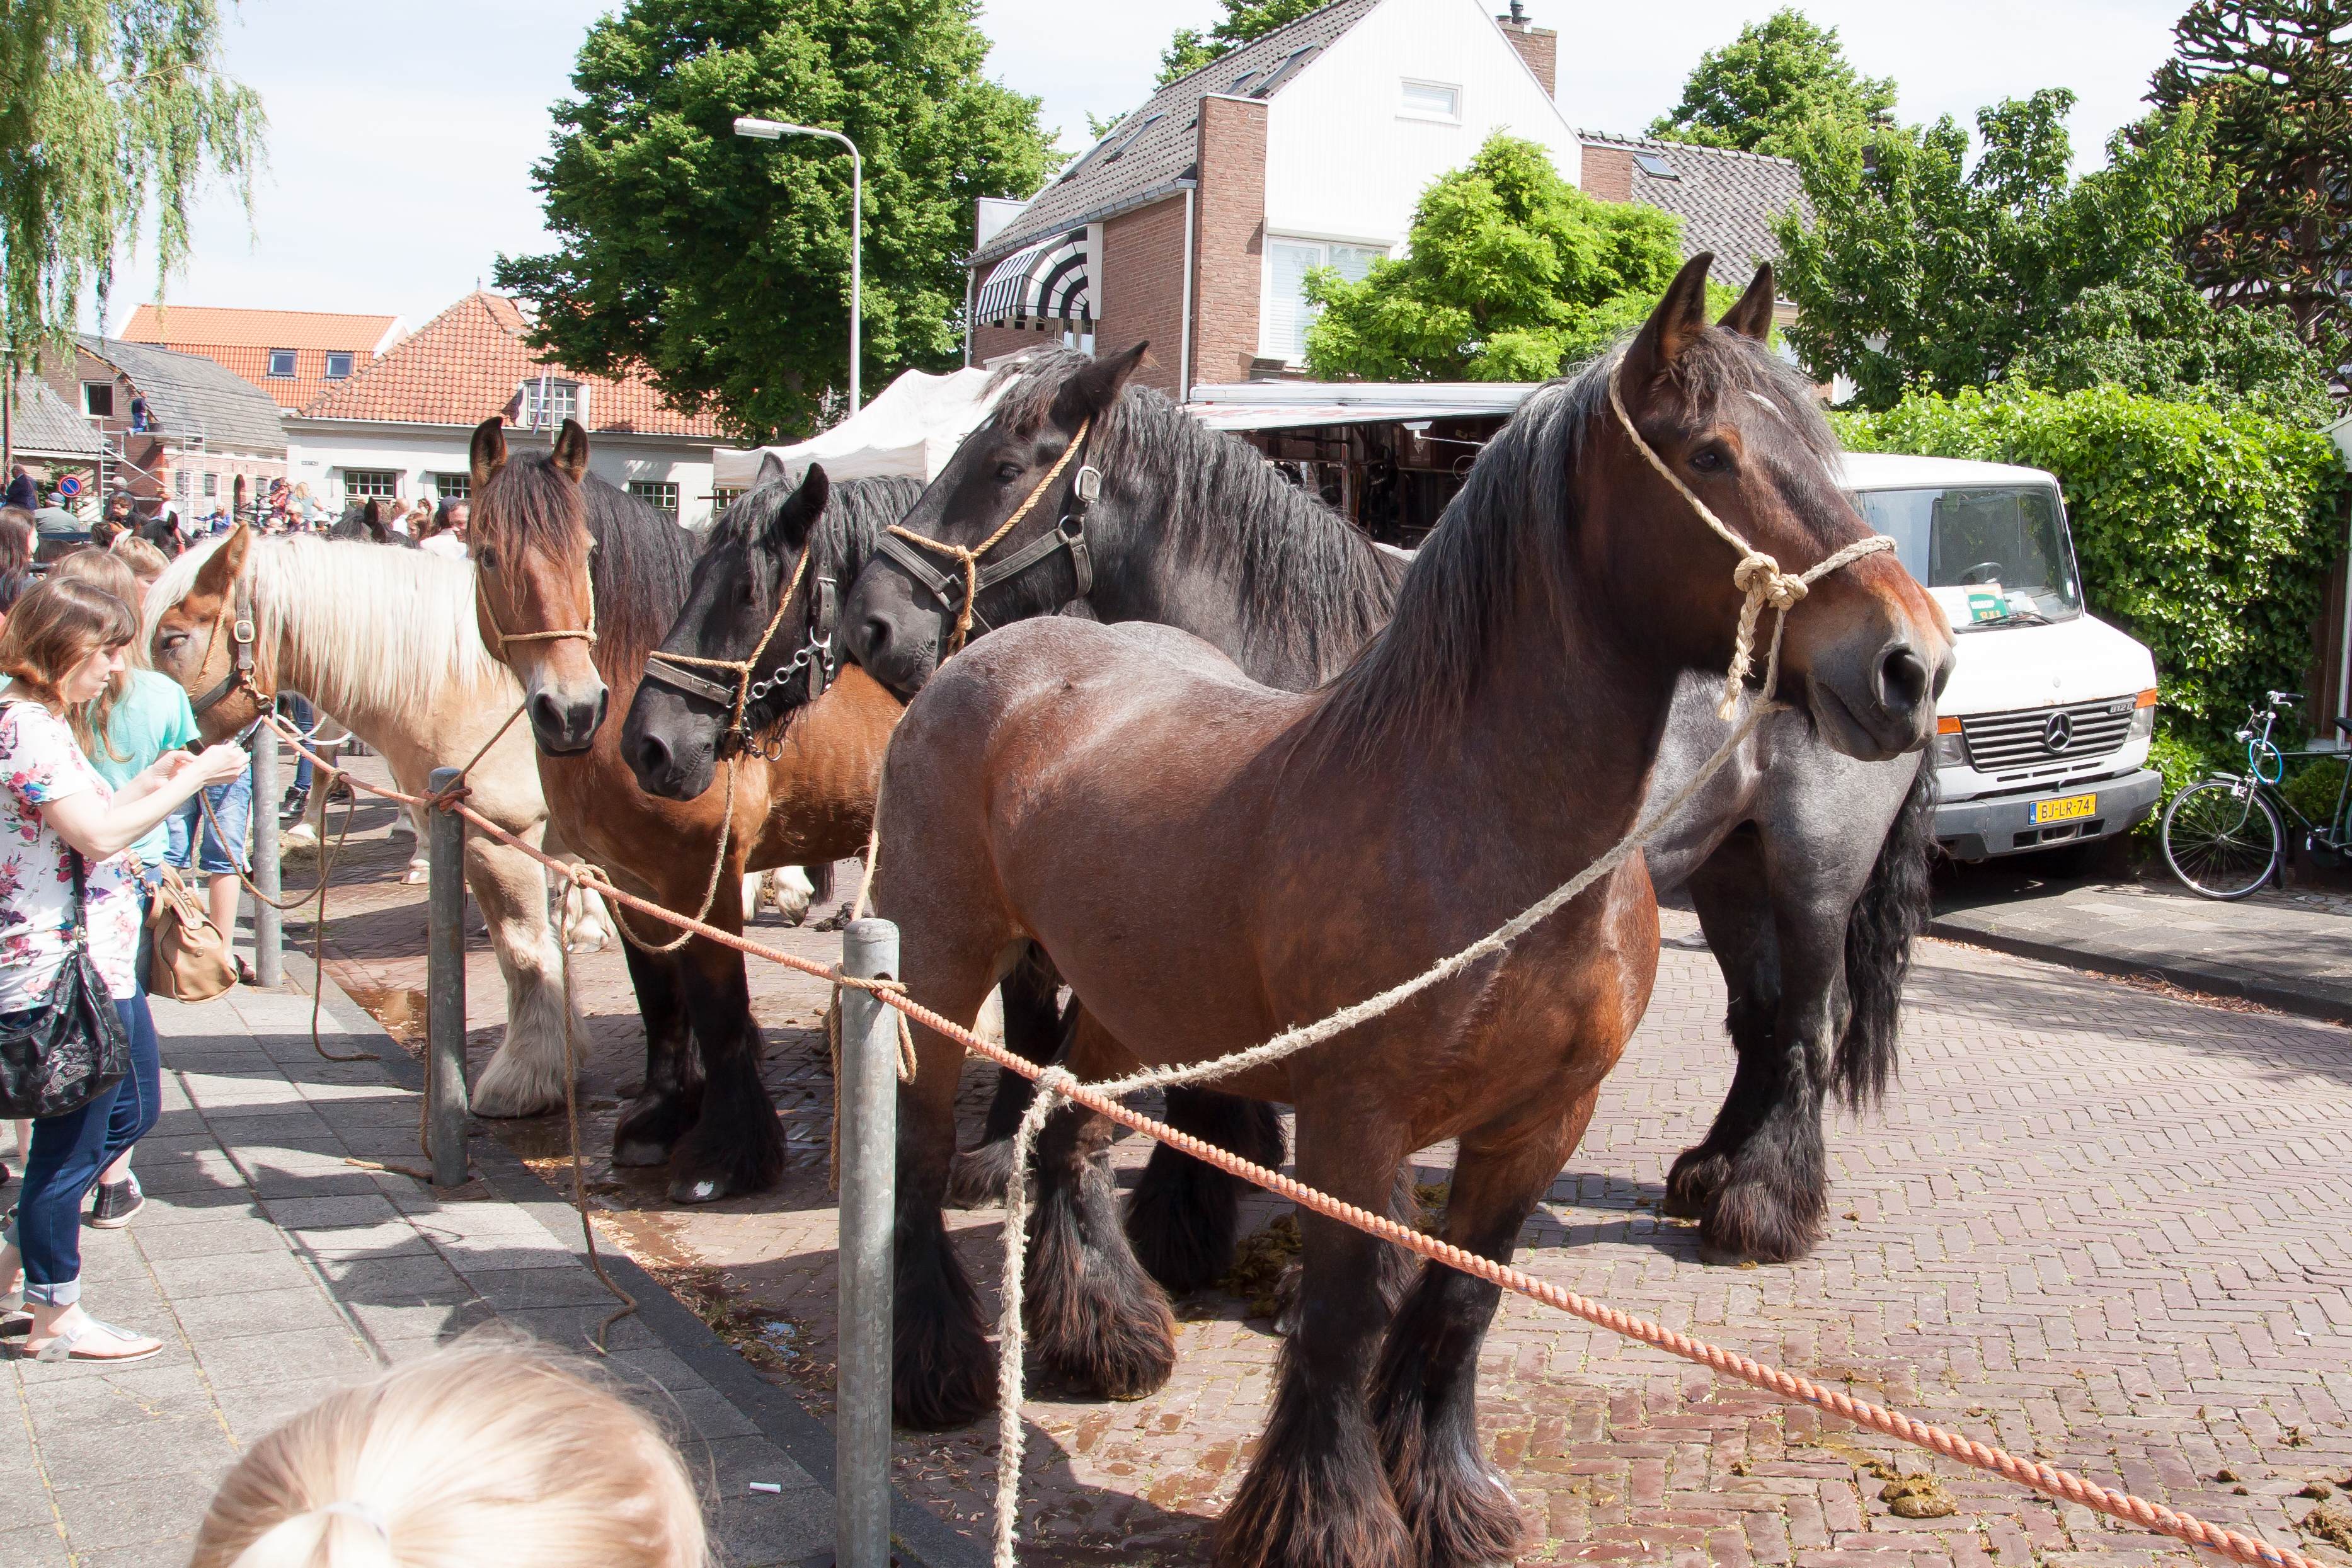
(2093, 1224)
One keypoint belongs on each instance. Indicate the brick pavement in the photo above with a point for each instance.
(2092, 1224)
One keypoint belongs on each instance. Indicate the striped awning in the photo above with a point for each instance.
(1046, 282)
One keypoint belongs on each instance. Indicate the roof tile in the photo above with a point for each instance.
(192, 394)
(1726, 199)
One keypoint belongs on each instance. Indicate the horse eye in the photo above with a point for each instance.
(1709, 460)
(488, 559)
(1007, 471)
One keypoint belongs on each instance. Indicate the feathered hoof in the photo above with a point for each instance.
(1290, 1515)
(977, 1179)
(1462, 1517)
(1698, 1175)
(1122, 1348)
(944, 1371)
(1751, 1223)
(506, 1094)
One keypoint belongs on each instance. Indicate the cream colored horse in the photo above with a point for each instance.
(386, 642)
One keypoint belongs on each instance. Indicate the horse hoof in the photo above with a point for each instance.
(976, 1179)
(1749, 1223)
(415, 876)
(1696, 1176)
(696, 1189)
(636, 1153)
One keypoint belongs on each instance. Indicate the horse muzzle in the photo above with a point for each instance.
(899, 650)
(1882, 704)
(566, 725)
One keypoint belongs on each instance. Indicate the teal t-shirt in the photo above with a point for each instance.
(153, 717)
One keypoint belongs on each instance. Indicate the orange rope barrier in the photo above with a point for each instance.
(2063, 1484)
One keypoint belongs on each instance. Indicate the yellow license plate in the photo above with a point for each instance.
(2065, 810)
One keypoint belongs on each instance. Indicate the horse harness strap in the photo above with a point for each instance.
(241, 640)
(664, 667)
(1070, 533)
(585, 633)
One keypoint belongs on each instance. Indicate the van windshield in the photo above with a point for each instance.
(1993, 555)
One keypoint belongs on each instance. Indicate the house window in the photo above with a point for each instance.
(726, 495)
(1432, 101)
(281, 364)
(98, 399)
(1288, 261)
(371, 484)
(338, 367)
(212, 485)
(659, 495)
(562, 404)
(453, 486)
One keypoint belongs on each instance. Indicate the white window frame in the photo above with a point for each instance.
(564, 398)
(452, 486)
(651, 491)
(389, 476)
(1324, 244)
(86, 388)
(293, 365)
(1408, 110)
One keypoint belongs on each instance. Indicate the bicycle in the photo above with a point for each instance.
(2221, 835)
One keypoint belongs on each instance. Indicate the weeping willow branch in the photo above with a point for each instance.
(109, 110)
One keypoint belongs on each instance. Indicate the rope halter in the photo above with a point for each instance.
(1757, 576)
(586, 633)
(969, 558)
(746, 691)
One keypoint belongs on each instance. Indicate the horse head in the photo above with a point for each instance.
(1729, 430)
(1007, 497)
(195, 640)
(533, 597)
(754, 601)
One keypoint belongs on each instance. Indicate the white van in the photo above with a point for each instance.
(2046, 721)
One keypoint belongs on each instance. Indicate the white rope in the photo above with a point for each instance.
(1760, 579)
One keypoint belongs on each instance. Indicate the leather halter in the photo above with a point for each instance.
(241, 640)
(961, 599)
(738, 737)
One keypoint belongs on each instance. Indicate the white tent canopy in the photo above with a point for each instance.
(910, 428)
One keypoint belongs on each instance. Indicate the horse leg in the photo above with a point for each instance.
(1734, 911)
(1425, 1391)
(1092, 1312)
(526, 1075)
(1317, 1495)
(1034, 1030)
(672, 1096)
(1183, 1214)
(1399, 1269)
(737, 1145)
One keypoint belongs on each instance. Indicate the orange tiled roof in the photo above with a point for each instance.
(241, 341)
(466, 364)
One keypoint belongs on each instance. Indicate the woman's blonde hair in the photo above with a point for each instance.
(490, 1451)
(59, 622)
(145, 561)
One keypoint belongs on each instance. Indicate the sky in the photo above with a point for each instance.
(401, 137)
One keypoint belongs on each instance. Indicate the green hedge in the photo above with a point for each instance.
(2206, 536)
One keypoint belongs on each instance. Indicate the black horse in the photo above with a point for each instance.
(1807, 870)
(366, 523)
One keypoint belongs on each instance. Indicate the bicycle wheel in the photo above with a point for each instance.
(2222, 839)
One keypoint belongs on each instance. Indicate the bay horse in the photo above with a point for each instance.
(1209, 861)
(575, 583)
(1808, 868)
(385, 642)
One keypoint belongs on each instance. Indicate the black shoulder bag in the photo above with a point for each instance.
(61, 1055)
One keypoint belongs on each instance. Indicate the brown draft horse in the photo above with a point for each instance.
(558, 553)
(1208, 860)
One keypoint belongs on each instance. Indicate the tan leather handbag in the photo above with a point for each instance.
(191, 961)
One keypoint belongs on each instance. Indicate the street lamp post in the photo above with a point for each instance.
(776, 130)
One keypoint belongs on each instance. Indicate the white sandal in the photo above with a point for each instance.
(64, 1345)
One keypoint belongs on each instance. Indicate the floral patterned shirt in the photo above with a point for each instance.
(39, 763)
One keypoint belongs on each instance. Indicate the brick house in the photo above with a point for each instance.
(400, 427)
(292, 355)
(1194, 222)
(174, 429)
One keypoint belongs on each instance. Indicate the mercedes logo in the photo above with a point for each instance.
(2058, 733)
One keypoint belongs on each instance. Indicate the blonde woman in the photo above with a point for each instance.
(64, 644)
(489, 1452)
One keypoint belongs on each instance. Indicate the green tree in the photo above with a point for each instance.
(110, 107)
(2277, 76)
(1916, 269)
(1780, 75)
(720, 267)
(1245, 20)
(1508, 267)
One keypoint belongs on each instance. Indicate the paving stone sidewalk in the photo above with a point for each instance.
(274, 1271)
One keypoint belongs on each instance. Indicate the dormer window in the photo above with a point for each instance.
(562, 403)
(1120, 150)
(281, 364)
(338, 367)
(1432, 101)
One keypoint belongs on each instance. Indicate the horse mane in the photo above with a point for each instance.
(1313, 588)
(638, 569)
(1514, 519)
(857, 514)
(402, 631)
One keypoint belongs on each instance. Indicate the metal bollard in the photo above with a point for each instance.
(444, 984)
(866, 1100)
(268, 966)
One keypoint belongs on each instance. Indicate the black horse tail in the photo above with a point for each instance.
(1892, 911)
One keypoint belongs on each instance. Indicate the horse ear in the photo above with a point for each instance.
(771, 471)
(489, 453)
(1671, 329)
(373, 515)
(571, 450)
(222, 568)
(1092, 391)
(1752, 317)
(800, 512)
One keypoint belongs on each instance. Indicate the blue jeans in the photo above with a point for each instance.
(232, 805)
(300, 712)
(69, 1153)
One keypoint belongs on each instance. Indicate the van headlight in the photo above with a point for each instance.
(1951, 746)
(2143, 719)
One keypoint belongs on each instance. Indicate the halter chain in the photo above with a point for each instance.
(1757, 575)
(743, 667)
(969, 558)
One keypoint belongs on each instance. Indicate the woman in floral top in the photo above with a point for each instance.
(63, 642)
